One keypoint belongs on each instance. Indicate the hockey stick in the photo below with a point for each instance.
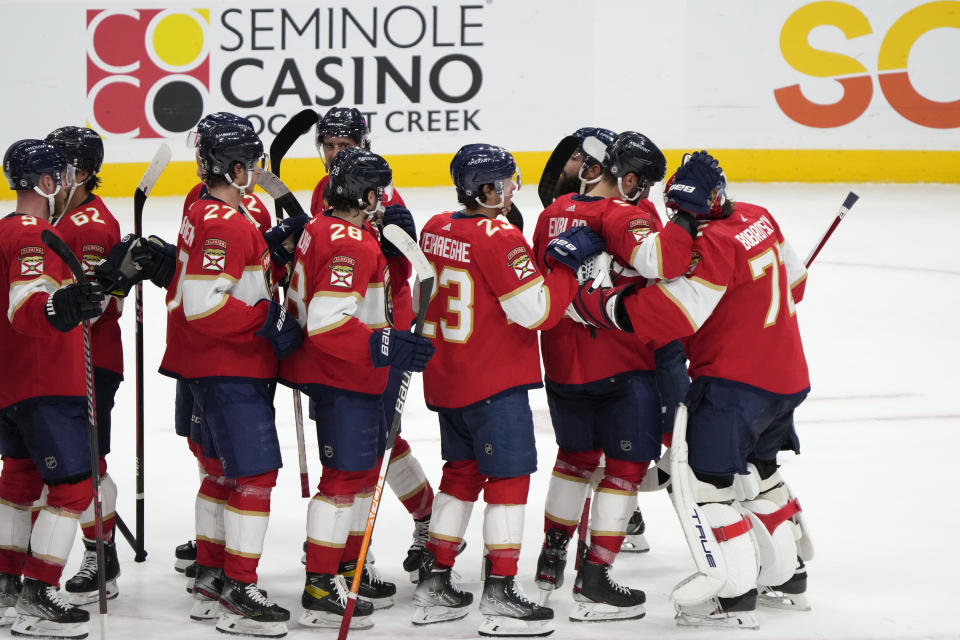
(284, 199)
(848, 203)
(59, 247)
(554, 167)
(150, 177)
(411, 251)
(289, 134)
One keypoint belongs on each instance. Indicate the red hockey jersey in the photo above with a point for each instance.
(90, 231)
(340, 293)
(318, 204)
(250, 203)
(38, 360)
(223, 271)
(491, 298)
(737, 304)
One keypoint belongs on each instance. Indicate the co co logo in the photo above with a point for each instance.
(148, 70)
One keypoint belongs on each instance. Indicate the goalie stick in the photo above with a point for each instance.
(848, 203)
(425, 274)
(294, 128)
(59, 247)
(160, 161)
(554, 167)
(285, 200)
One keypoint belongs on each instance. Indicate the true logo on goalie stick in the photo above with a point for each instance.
(341, 271)
(519, 260)
(31, 261)
(91, 256)
(214, 254)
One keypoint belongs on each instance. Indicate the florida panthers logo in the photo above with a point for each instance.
(214, 254)
(640, 229)
(694, 262)
(519, 260)
(92, 255)
(341, 271)
(31, 261)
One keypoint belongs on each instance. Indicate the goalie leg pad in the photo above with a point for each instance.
(776, 543)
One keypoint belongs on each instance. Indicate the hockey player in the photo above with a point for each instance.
(749, 374)
(90, 230)
(491, 300)
(43, 419)
(601, 385)
(229, 335)
(340, 295)
(344, 128)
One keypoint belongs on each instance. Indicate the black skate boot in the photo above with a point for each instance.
(245, 611)
(84, 587)
(598, 597)
(411, 564)
(506, 610)
(10, 587)
(41, 612)
(190, 573)
(789, 595)
(381, 594)
(206, 593)
(324, 600)
(721, 613)
(437, 597)
(552, 560)
(186, 554)
(634, 541)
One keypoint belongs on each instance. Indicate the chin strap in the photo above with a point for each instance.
(242, 188)
(635, 197)
(51, 206)
(584, 182)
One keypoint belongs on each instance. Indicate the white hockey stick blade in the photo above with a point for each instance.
(160, 161)
(273, 185)
(410, 250)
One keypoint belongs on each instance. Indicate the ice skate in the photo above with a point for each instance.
(324, 600)
(42, 613)
(438, 598)
(507, 612)
(552, 561)
(634, 541)
(245, 611)
(186, 555)
(721, 613)
(421, 531)
(206, 593)
(84, 587)
(789, 595)
(10, 587)
(190, 573)
(381, 594)
(598, 597)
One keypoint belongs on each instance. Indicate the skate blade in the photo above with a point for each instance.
(8, 617)
(736, 620)
(34, 627)
(602, 612)
(180, 566)
(205, 610)
(89, 597)
(414, 576)
(635, 544)
(503, 626)
(327, 620)
(438, 613)
(190, 583)
(233, 624)
(381, 603)
(786, 601)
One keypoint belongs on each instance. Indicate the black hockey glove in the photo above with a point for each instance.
(70, 305)
(696, 185)
(400, 349)
(514, 216)
(603, 307)
(281, 330)
(157, 260)
(575, 245)
(283, 238)
(117, 273)
(399, 215)
(685, 221)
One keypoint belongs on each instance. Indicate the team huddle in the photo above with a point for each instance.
(620, 317)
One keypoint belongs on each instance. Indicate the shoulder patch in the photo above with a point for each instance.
(519, 260)
(640, 228)
(341, 271)
(214, 254)
(91, 256)
(31, 261)
(695, 260)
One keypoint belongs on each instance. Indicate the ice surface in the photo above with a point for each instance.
(880, 433)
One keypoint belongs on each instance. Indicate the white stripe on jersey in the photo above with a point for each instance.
(528, 305)
(796, 272)
(205, 295)
(372, 308)
(646, 257)
(329, 309)
(695, 297)
(20, 290)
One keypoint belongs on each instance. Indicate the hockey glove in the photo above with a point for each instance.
(117, 273)
(698, 183)
(157, 260)
(70, 305)
(280, 329)
(685, 221)
(399, 215)
(572, 247)
(400, 349)
(283, 238)
(602, 307)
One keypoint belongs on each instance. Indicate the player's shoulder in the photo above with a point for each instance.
(437, 222)
(21, 225)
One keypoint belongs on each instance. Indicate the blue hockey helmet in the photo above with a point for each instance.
(225, 145)
(209, 121)
(343, 122)
(82, 146)
(475, 165)
(590, 152)
(354, 172)
(26, 161)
